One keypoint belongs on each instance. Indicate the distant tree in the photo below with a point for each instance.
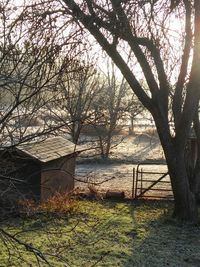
(169, 61)
(77, 92)
(112, 109)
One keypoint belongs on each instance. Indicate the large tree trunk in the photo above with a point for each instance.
(195, 184)
(185, 206)
(184, 200)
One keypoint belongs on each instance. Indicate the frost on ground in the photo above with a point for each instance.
(117, 174)
(139, 148)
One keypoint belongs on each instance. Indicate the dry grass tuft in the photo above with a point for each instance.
(60, 203)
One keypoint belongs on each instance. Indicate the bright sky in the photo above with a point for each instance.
(102, 61)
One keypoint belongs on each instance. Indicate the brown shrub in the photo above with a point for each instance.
(57, 204)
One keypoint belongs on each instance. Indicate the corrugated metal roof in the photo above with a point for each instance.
(49, 149)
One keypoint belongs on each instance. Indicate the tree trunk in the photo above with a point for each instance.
(101, 147)
(75, 132)
(185, 206)
(195, 186)
(108, 144)
(131, 128)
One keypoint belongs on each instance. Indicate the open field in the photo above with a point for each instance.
(131, 148)
(117, 172)
(107, 234)
(115, 176)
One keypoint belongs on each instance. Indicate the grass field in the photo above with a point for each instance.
(104, 234)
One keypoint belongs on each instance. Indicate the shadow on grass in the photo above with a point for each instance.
(158, 240)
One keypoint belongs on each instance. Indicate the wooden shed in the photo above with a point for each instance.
(44, 167)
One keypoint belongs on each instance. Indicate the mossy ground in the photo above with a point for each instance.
(104, 234)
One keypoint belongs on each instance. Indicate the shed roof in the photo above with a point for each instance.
(49, 149)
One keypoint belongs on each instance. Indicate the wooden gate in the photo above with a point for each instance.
(148, 182)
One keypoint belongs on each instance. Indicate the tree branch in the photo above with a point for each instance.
(87, 21)
(178, 97)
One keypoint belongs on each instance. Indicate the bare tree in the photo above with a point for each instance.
(112, 108)
(146, 27)
(77, 92)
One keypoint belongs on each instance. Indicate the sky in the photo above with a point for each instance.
(174, 24)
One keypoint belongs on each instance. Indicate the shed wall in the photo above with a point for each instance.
(57, 176)
(25, 173)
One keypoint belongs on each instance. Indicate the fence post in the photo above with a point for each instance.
(133, 186)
